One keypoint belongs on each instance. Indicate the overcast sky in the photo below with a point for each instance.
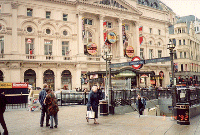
(184, 7)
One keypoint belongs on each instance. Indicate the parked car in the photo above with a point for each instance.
(71, 96)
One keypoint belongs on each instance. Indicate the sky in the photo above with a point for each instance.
(184, 7)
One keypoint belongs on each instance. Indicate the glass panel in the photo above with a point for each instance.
(89, 22)
(29, 11)
(63, 51)
(48, 14)
(50, 49)
(27, 48)
(45, 49)
(65, 17)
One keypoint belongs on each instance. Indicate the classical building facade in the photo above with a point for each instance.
(184, 34)
(58, 42)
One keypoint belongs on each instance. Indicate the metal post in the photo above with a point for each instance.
(106, 88)
(172, 66)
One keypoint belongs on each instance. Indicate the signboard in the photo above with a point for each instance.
(112, 38)
(20, 85)
(92, 48)
(29, 41)
(5, 85)
(129, 51)
(140, 35)
(136, 58)
(163, 59)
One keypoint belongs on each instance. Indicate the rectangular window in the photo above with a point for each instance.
(108, 24)
(183, 41)
(150, 53)
(181, 67)
(48, 47)
(197, 28)
(150, 30)
(150, 42)
(88, 21)
(159, 44)
(185, 55)
(29, 12)
(65, 17)
(0, 8)
(65, 48)
(175, 55)
(159, 53)
(159, 32)
(2, 45)
(142, 53)
(29, 46)
(179, 42)
(48, 14)
(181, 55)
(126, 27)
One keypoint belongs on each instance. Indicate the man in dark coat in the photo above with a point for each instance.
(42, 96)
(3, 103)
(140, 104)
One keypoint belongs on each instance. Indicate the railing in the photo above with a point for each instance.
(127, 97)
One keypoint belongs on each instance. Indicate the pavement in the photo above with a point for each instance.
(71, 121)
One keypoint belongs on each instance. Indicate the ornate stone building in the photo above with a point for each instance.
(59, 41)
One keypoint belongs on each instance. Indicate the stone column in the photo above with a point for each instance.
(101, 36)
(78, 76)
(121, 48)
(14, 72)
(14, 28)
(80, 37)
(39, 77)
(136, 42)
(58, 79)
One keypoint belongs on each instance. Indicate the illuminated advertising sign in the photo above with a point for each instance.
(112, 38)
(92, 48)
(19, 85)
(5, 85)
(129, 51)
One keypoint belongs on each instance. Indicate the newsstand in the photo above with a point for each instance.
(183, 117)
(103, 107)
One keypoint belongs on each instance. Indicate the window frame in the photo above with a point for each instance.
(87, 38)
(48, 16)
(2, 44)
(88, 21)
(159, 32)
(66, 51)
(109, 24)
(65, 18)
(48, 52)
(150, 53)
(29, 13)
(159, 53)
(27, 49)
(150, 30)
(142, 53)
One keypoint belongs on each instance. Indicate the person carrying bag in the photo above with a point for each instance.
(93, 102)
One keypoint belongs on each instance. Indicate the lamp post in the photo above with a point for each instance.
(171, 47)
(81, 82)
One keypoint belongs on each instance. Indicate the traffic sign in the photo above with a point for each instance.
(137, 59)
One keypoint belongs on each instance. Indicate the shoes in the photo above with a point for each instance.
(87, 119)
(96, 122)
(55, 126)
(47, 125)
(51, 127)
(41, 125)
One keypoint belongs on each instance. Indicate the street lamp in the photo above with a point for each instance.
(171, 47)
(107, 58)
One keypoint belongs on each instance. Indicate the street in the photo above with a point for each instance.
(71, 120)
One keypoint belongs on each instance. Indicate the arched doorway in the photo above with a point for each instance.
(30, 77)
(1, 76)
(49, 78)
(66, 78)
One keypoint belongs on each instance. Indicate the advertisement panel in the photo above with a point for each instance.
(5, 85)
(92, 48)
(20, 85)
(130, 51)
(112, 38)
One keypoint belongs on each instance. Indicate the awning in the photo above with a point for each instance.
(126, 74)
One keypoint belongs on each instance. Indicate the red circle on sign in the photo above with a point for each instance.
(136, 58)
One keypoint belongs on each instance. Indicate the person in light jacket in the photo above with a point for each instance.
(93, 102)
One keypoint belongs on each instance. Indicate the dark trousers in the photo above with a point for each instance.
(3, 124)
(140, 111)
(43, 112)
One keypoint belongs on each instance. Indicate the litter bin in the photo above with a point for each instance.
(183, 113)
(103, 107)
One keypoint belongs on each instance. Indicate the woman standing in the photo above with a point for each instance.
(53, 109)
(93, 102)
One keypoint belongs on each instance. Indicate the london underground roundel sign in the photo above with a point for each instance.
(136, 58)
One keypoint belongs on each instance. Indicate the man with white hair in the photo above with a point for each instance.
(93, 102)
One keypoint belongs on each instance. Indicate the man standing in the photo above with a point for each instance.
(42, 96)
(3, 102)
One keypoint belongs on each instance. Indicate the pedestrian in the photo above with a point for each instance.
(100, 94)
(53, 109)
(3, 103)
(42, 96)
(140, 104)
(93, 102)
